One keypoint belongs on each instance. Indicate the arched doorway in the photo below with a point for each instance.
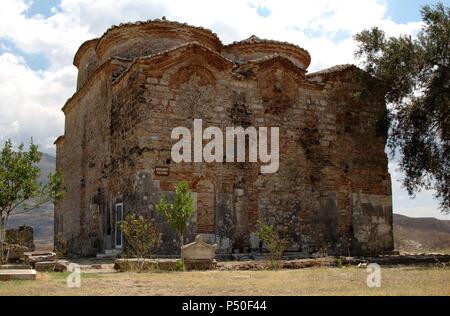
(205, 207)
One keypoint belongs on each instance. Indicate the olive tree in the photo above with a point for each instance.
(414, 76)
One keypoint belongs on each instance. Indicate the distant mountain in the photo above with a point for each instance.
(47, 165)
(40, 219)
(421, 234)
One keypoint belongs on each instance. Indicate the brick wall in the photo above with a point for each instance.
(332, 189)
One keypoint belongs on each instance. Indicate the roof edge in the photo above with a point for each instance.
(334, 69)
(157, 21)
(168, 51)
(83, 47)
(254, 40)
(58, 140)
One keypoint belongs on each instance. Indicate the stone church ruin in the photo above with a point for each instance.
(138, 81)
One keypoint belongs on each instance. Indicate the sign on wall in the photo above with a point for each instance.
(162, 171)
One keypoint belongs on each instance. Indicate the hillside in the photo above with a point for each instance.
(421, 234)
(47, 165)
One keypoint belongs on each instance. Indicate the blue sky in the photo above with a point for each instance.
(36, 61)
(39, 38)
(42, 7)
(403, 11)
(400, 11)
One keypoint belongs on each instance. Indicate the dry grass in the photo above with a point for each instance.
(315, 281)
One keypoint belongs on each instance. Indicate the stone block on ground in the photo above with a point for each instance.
(198, 250)
(133, 264)
(201, 264)
(199, 255)
(166, 264)
(61, 266)
(45, 266)
(32, 257)
(258, 265)
(20, 274)
(15, 267)
(52, 266)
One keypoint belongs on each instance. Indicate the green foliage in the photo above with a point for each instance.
(339, 263)
(180, 211)
(140, 234)
(179, 265)
(19, 184)
(274, 241)
(415, 77)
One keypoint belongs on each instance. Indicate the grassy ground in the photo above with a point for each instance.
(314, 281)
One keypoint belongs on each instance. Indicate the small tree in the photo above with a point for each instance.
(141, 235)
(179, 212)
(274, 242)
(19, 186)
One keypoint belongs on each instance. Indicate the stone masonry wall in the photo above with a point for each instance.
(332, 190)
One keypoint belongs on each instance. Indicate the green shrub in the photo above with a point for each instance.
(141, 236)
(273, 241)
(180, 265)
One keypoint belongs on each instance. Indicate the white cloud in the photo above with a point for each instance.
(324, 27)
(423, 205)
(30, 101)
(59, 35)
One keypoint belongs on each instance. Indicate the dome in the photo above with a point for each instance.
(254, 48)
(131, 40)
